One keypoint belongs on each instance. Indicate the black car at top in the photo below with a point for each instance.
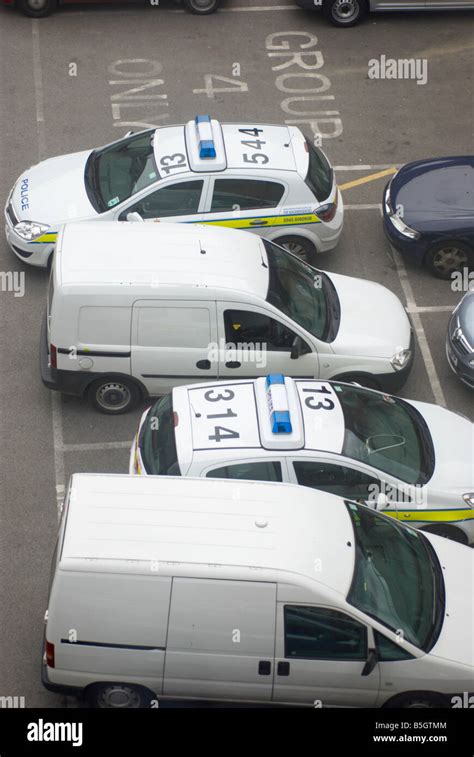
(428, 213)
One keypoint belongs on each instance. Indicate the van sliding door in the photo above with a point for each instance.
(221, 638)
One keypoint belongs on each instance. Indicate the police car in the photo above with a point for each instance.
(262, 178)
(412, 460)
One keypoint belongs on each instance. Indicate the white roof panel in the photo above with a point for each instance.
(323, 416)
(226, 423)
(208, 522)
(272, 141)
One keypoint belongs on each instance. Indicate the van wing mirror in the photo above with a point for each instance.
(296, 348)
(382, 501)
(134, 216)
(371, 662)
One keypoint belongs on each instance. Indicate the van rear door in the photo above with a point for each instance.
(171, 343)
(221, 638)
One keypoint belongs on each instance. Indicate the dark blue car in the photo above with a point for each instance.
(428, 213)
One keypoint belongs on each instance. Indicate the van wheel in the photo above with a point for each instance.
(446, 258)
(449, 532)
(117, 696)
(37, 8)
(299, 246)
(113, 396)
(417, 700)
(345, 12)
(201, 6)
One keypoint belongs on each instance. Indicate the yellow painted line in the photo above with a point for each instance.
(366, 179)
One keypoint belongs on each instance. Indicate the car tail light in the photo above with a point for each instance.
(49, 654)
(175, 418)
(327, 212)
(53, 356)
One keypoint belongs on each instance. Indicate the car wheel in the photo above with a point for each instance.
(368, 382)
(201, 7)
(117, 696)
(418, 700)
(449, 532)
(447, 258)
(299, 246)
(37, 8)
(345, 12)
(113, 396)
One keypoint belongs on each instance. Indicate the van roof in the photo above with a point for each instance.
(159, 254)
(208, 522)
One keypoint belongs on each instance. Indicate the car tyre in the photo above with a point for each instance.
(345, 13)
(299, 246)
(202, 7)
(37, 8)
(448, 532)
(368, 382)
(117, 696)
(446, 258)
(418, 700)
(113, 395)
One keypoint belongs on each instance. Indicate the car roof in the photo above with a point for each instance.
(202, 523)
(283, 146)
(310, 431)
(152, 254)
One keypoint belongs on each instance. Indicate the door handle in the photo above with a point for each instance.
(258, 223)
(264, 668)
(233, 364)
(204, 364)
(283, 669)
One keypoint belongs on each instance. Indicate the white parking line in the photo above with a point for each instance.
(95, 446)
(376, 206)
(431, 309)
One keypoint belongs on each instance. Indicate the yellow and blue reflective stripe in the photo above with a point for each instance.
(48, 238)
(257, 222)
(454, 515)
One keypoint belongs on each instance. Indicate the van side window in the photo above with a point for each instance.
(244, 327)
(248, 195)
(180, 199)
(263, 471)
(316, 633)
(336, 479)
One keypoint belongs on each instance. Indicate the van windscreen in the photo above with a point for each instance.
(157, 441)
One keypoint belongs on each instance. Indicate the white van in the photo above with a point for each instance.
(244, 591)
(136, 309)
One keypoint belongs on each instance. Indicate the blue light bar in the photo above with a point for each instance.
(207, 148)
(278, 404)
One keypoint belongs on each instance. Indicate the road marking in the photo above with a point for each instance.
(38, 84)
(411, 307)
(377, 206)
(367, 179)
(431, 309)
(367, 167)
(95, 446)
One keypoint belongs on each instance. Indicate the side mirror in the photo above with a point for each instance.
(134, 217)
(372, 660)
(296, 348)
(128, 134)
(382, 501)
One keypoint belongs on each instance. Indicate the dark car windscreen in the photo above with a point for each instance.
(320, 176)
(115, 173)
(157, 440)
(386, 433)
(397, 577)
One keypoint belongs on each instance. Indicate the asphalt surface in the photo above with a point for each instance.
(45, 111)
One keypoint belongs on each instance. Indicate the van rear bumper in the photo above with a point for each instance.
(58, 688)
(45, 368)
(74, 383)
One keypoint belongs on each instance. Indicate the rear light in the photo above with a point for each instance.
(327, 212)
(175, 418)
(306, 147)
(53, 356)
(49, 654)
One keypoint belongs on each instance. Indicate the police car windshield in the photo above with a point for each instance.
(157, 442)
(302, 293)
(397, 577)
(386, 433)
(115, 173)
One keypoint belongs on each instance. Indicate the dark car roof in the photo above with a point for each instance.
(437, 189)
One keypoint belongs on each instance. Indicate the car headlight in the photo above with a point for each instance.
(400, 359)
(403, 228)
(29, 230)
(469, 499)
